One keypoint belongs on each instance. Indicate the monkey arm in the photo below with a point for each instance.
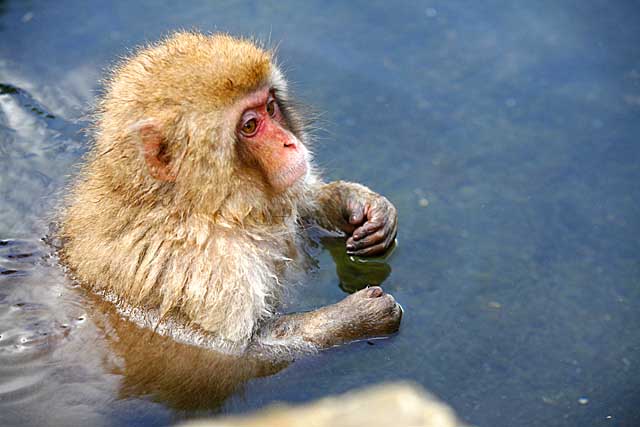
(367, 313)
(368, 218)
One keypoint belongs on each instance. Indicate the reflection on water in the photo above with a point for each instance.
(183, 377)
(506, 135)
(356, 273)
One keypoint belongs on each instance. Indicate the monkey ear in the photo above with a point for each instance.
(153, 147)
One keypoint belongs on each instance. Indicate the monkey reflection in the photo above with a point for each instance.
(181, 376)
(357, 273)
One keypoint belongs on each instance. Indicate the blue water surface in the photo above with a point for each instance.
(506, 133)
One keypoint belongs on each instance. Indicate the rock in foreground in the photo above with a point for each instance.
(395, 404)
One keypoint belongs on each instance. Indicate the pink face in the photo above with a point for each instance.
(263, 131)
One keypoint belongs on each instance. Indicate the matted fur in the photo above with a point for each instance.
(213, 246)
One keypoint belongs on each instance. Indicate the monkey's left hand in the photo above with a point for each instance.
(373, 223)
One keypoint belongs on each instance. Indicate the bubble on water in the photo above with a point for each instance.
(583, 400)
(431, 12)
(27, 17)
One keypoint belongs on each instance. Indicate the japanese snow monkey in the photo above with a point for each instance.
(192, 203)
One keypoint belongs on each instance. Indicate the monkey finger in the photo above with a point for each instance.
(356, 213)
(369, 240)
(388, 242)
(391, 226)
(394, 229)
(368, 228)
(378, 249)
(389, 234)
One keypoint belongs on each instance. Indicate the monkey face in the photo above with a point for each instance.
(269, 144)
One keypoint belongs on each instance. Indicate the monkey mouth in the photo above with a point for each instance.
(290, 175)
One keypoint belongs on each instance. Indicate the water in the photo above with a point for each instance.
(506, 135)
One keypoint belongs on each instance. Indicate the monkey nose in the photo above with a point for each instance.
(290, 141)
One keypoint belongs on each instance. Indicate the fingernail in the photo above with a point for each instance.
(350, 247)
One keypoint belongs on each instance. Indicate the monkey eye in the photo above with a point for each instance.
(271, 107)
(249, 127)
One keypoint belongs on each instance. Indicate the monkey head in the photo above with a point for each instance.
(207, 122)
